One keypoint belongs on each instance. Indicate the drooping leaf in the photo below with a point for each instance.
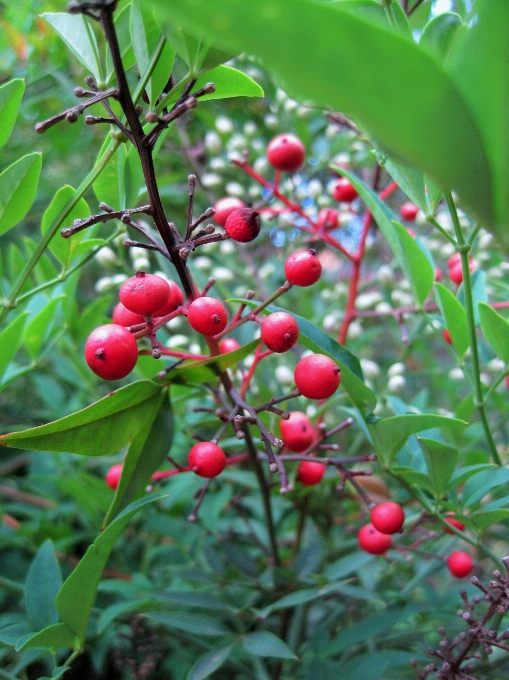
(11, 94)
(496, 330)
(18, 186)
(264, 643)
(455, 318)
(208, 663)
(441, 461)
(43, 583)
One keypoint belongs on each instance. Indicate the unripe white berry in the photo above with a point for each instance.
(396, 384)
(396, 369)
(224, 125)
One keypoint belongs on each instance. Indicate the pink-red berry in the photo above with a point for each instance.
(388, 517)
(310, 472)
(124, 317)
(206, 459)
(207, 315)
(286, 152)
(144, 293)
(447, 336)
(297, 432)
(228, 345)
(317, 376)
(224, 207)
(111, 351)
(243, 225)
(175, 300)
(280, 332)
(327, 219)
(113, 476)
(460, 564)
(373, 541)
(344, 191)
(456, 274)
(438, 274)
(408, 211)
(303, 268)
(454, 523)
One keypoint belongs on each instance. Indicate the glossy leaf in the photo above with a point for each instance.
(208, 663)
(264, 643)
(455, 318)
(120, 182)
(97, 430)
(43, 583)
(37, 331)
(75, 31)
(496, 330)
(63, 248)
(11, 94)
(209, 369)
(55, 636)
(147, 452)
(419, 267)
(424, 119)
(10, 341)
(77, 595)
(18, 186)
(441, 461)
(439, 34)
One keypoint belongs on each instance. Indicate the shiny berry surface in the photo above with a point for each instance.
(111, 351)
(113, 476)
(454, 523)
(286, 152)
(297, 432)
(243, 225)
(309, 472)
(228, 345)
(460, 564)
(144, 293)
(206, 459)
(280, 332)
(408, 211)
(373, 541)
(387, 517)
(344, 191)
(174, 301)
(317, 376)
(224, 207)
(303, 268)
(207, 315)
(327, 219)
(124, 317)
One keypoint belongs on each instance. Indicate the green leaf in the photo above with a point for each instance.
(18, 186)
(62, 248)
(455, 318)
(419, 267)
(77, 34)
(208, 663)
(97, 430)
(192, 599)
(441, 461)
(412, 477)
(56, 636)
(109, 614)
(77, 595)
(122, 19)
(120, 183)
(10, 341)
(462, 474)
(389, 434)
(43, 583)
(439, 34)
(197, 624)
(39, 328)
(484, 519)
(264, 643)
(209, 369)
(147, 452)
(410, 180)
(482, 483)
(301, 597)
(495, 329)
(479, 65)
(11, 95)
(424, 119)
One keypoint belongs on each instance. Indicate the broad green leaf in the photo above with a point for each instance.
(208, 663)
(413, 477)
(495, 329)
(97, 430)
(479, 66)
(479, 485)
(462, 474)
(346, 565)
(455, 318)
(419, 267)
(209, 369)
(441, 461)
(147, 452)
(11, 95)
(39, 328)
(197, 624)
(10, 341)
(18, 186)
(77, 34)
(484, 519)
(424, 119)
(43, 583)
(55, 636)
(120, 183)
(77, 595)
(389, 434)
(439, 34)
(264, 643)
(63, 248)
(402, 24)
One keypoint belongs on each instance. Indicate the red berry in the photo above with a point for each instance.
(303, 268)
(327, 219)
(224, 207)
(174, 301)
(144, 293)
(388, 517)
(113, 476)
(297, 432)
(317, 376)
(408, 211)
(507, 381)
(454, 523)
(456, 274)
(438, 274)
(447, 336)
(111, 351)
(460, 564)
(206, 459)
(228, 345)
(243, 225)
(280, 332)
(124, 317)
(286, 152)
(373, 541)
(207, 315)
(454, 260)
(310, 472)
(344, 191)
